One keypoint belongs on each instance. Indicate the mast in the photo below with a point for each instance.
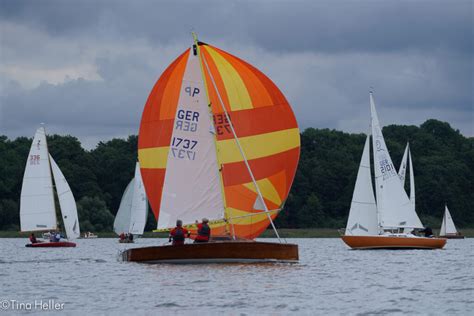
(236, 138)
(52, 178)
(221, 181)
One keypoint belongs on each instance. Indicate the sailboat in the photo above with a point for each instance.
(217, 140)
(37, 202)
(133, 211)
(448, 230)
(383, 223)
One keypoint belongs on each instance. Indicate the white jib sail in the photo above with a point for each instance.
(139, 212)
(362, 219)
(122, 218)
(67, 203)
(192, 187)
(447, 227)
(393, 205)
(412, 184)
(37, 211)
(403, 166)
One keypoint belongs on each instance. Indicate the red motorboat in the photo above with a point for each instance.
(51, 244)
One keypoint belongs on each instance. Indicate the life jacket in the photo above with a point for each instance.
(204, 232)
(178, 234)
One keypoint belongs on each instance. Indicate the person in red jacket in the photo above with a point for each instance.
(178, 234)
(33, 238)
(203, 231)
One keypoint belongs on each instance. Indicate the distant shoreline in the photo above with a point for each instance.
(284, 233)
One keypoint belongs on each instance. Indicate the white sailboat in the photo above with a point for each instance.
(37, 206)
(133, 211)
(381, 224)
(448, 229)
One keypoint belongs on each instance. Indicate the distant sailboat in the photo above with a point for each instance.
(133, 211)
(448, 230)
(37, 206)
(383, 223)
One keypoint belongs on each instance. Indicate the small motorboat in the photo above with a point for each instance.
(90, 235)
(51, 244)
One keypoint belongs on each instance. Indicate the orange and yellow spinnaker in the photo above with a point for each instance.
(191, 162)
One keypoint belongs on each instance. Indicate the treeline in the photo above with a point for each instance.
(322, 189)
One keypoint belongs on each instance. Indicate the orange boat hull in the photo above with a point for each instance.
(393, 242)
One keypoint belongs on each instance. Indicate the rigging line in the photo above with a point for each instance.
(240, 147)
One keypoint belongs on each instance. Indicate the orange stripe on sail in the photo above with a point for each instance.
(154, 179)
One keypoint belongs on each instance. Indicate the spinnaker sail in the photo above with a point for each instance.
(191, 162)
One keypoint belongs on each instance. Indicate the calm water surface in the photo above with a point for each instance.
(329, 280)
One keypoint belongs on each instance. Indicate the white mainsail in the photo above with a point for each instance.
(403, 166)
(122, 219)
(139, 205)
(394, 207)
(37, 210)
(447, 227)
(363, 213)
(67, 203)
(412, 184)
(192, 188)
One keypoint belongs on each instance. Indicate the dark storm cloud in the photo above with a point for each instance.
(97, 60)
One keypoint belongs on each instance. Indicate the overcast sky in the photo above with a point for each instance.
(86, 67)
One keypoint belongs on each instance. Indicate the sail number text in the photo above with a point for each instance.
(34, 159)
(222, 124)
(182, 148)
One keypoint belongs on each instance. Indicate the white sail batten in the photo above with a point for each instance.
(139, 203)
(37, 210)
(447, 227)
(122, 218)
(191, 188)
(67, 203)
(362, 219)
(403, 166)
(394, 207)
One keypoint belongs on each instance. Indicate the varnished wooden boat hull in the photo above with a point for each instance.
(392, 242)
(215, 252)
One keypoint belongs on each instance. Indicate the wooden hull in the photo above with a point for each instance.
(51, 244)
(452, 236)
(215, 252)
(393, 242)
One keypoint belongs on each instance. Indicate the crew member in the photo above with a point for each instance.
(203, 232)
(178, 234)
(33, 238)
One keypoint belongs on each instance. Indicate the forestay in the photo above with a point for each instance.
(37, 210)
(363, 213)
(67, 203)
(394, 207)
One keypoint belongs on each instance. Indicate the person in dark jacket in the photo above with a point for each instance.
(178, 234)
(203, 232)
(33, 238)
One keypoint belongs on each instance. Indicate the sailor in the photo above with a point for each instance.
(428, 232)
(57, 237)
(130, 237)
(203, 232)
(33, 238)
(122, 236)
(51, 236)
(178, 234)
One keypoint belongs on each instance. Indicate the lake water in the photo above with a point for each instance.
(329, 280)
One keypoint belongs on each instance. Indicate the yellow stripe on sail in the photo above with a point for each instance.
(258, 146)
(239, 217)
(153, 158)
(237, 93)
(268, 190)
